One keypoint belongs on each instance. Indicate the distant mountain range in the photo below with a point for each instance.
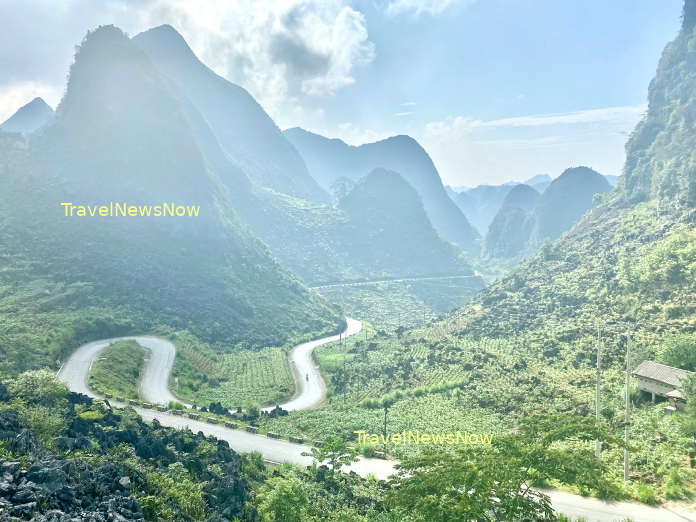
(288, 210)
(481, 204)
(527, 219)
(30, 118)
(333, 162)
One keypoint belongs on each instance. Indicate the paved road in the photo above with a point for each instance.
(402, 280)
(154, 388)
(154, 385)
(308, 379)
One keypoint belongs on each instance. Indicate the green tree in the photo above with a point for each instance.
(383, 403)
(335, 452)
(282, 499)
(38, 386)
(680, 351)
(689, 417)
(495, 482)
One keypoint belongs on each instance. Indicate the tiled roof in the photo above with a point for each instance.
(661, 372)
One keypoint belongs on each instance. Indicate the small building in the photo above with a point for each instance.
(660, 379)
(676, 400)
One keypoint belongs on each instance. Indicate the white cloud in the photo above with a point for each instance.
(285, 52)
(15, 95)
(418, 7)
(471, 151)
(281, 51)
(614, 115)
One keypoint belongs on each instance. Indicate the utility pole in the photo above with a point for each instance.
(628, 405)
(598, 390)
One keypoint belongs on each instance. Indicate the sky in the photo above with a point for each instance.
(495, 90)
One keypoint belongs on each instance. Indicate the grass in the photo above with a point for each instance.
(117, 371)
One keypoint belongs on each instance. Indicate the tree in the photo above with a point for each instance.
(689, 418)
(680, 351)
(383, 403)
(336, 452)
(490, 483)
(38, 386)
(282, 499)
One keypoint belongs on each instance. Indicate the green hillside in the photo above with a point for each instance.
(121, 136)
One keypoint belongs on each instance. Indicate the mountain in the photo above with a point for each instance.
(628, 264)
(121, 137)
(481, 204)
(368, 235)
(243, 129)
(29, 118)
(330, 160)
(540, 180)
(385, 210)
(509, 232)
(661, 152)
(312, 238)
(613, 180)
(565, 201)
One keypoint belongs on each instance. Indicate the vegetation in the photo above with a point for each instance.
(237, 378)
(117, 370)
(395, 304)
(136, 470)
(430, 486)
(529, 341)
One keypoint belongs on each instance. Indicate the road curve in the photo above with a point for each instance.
(154, 385)
(308, 380)
(154, 389)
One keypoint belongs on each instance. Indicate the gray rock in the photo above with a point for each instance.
(23, 496)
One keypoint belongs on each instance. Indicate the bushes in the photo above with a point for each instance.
(117, 370)
(679, 351)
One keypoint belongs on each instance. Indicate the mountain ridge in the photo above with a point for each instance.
(243, 129)
(330, 160)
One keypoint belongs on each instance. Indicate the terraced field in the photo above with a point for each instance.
(388, 305)
(249, 378)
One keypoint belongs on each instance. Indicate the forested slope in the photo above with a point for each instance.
(121, 136)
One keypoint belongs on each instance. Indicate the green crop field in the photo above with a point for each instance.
(117, 370)
(237, 378)
(389, 305)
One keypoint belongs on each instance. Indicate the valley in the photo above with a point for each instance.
(306, 243)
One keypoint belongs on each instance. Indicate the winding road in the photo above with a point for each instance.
(154, 388)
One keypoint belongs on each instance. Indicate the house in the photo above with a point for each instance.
(660, 379)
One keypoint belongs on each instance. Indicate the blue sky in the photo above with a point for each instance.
(494, 89)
